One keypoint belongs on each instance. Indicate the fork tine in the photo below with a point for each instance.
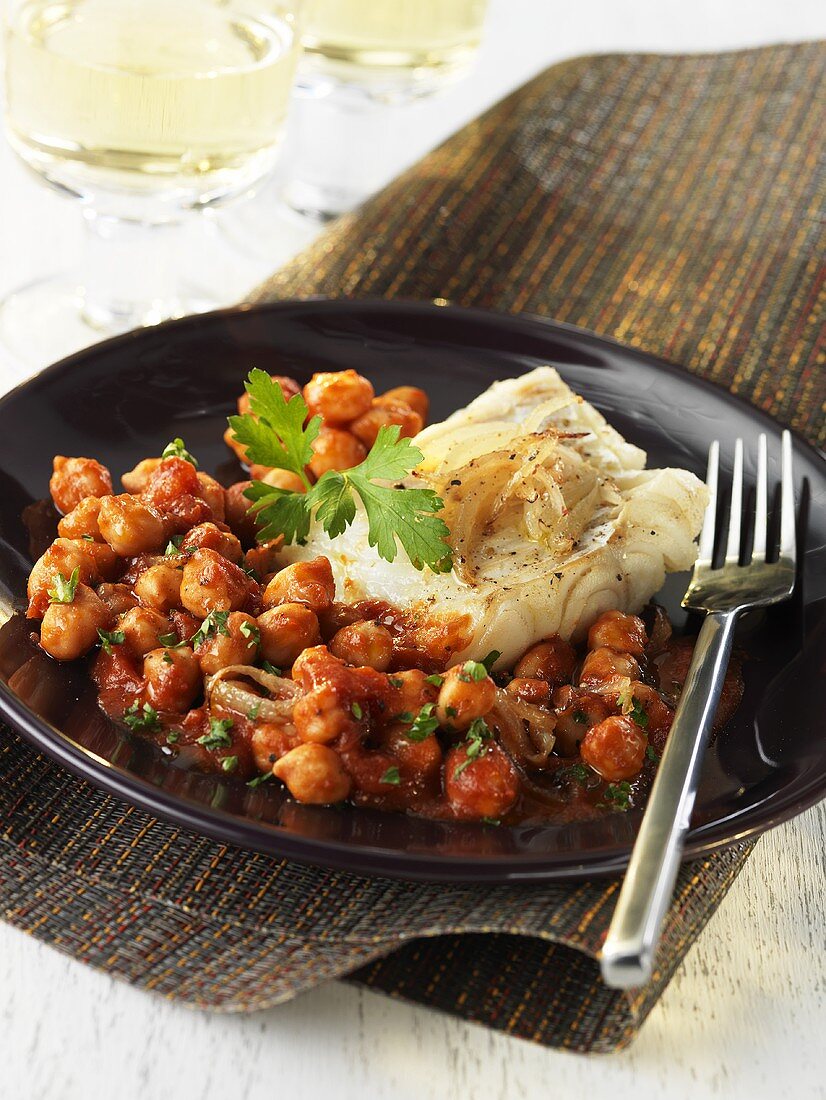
(761, 507)
(706, 548)
(787, 532)
(736, 510)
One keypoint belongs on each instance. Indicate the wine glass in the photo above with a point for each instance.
(362, 57)
(146, 111)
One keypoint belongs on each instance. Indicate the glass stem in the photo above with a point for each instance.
(131, 273)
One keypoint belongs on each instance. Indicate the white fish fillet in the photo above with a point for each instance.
(553, 517)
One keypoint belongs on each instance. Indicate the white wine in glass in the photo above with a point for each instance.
(425, 43)
(145, 109)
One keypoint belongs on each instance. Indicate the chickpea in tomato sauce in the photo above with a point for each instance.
(204, 641)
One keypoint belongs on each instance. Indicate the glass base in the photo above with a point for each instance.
(53, 317)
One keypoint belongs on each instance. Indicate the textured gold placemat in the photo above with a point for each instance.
(674, 203)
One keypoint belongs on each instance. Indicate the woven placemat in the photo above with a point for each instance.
(670, 202)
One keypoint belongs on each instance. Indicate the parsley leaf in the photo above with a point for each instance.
(435, 680)
(356, 711)
(473, 671)
(251, 632)
(169, 640)
(173, 547)
(391, 776)
(638, 713)
(491, 659)
(652, 754)
(176, 449)
(478, 733)
(109, 638)
(142, 719)
(274, 435)
(229, 763)
(218, 736)
(270, 668)
(259, 779)
(64, 590)
(214, 623)
(619, 795)
(424, 724)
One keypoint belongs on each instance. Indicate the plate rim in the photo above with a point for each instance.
(249, 834)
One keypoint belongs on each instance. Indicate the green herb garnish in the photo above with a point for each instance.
(356, 711)
(251, 631)
(64, 590)
(176, 449)
(214, 623)
(392, 776)
(259, 779)
(172, 736)
(173, 547)
(108, 638)
(218, 736)
(435, 680)
(271, 668)
(274, 434)
(473, 672)
(491, 659)
(619, 795)
(424, 724)
(169, 640)
(395, 682)
(252, 713)
(478, 733)
(652, 754)
(638, 713)
(142, 719)
(578, 772)
(229, 763)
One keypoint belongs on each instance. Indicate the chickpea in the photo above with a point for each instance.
(264, 558)
(82, 521)
(286, 631)
(92, 560)
(576, 712)
(135, 481)
(421, 760)
(280, 479)
(658, 715)
(270, 741)
(411, 396)
(129, 526)
(530, 690)
(338, 397)
(364, 643)
(211, 583)
(173, 678)
(411, 691)
(335, 449)
(313, 773)
(117, 597)
(159, 587)
(463, 699)
(74, 479)
(213, 494)
(552, 660)
(320, 717)
(605, 671)
(238, 646)
(615, 748)
(71, 629)
(237, 513)
(142, 629)
(307, 582)
(624, 633)
(383, 414)
(208, 536)
(238, 449)
(483, 786)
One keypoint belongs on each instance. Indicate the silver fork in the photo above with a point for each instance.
(723, 593)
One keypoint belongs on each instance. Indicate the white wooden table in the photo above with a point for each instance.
(744, 1017)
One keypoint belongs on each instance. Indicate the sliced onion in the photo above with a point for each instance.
(525, 730)
(226, 689)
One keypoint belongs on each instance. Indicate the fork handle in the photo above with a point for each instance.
(627, 957)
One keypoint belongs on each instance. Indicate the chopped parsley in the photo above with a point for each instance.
(271, 668)
(491, 821)
(251, 632)
(172, 736)
(176, 449)
(142, 719)
(435, 680)
(579, 772)
(618, 795)
(473, 671)
(108, 638)
(280, 434)
(491, 659)
(259, 779)
(167, 658)
(173, 547)
(424, 724)
(356, 711)
(229, 763)
(218, 736)
(214, 623)
(638, 713)
(478, 733)
(395, 682)
(392, 776)
(169, 640)
(64, 589)
(252, 713)
(652, 754)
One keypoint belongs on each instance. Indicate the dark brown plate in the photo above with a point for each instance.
(122, 400)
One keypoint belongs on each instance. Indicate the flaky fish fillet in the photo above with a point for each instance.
(553, 518)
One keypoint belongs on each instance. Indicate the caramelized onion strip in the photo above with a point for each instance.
(227, 689)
